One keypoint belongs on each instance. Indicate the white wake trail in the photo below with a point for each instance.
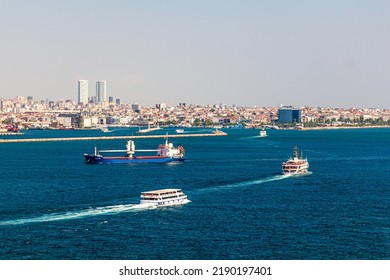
(116, 209)
(106, 210)
(247, 183)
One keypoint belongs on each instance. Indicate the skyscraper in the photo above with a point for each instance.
(83, 91)
(101, 91)
(287, 114)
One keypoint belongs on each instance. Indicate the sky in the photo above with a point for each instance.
(331, 53)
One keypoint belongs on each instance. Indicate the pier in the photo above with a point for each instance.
(215, 133)
(10, 133)
(149, 129)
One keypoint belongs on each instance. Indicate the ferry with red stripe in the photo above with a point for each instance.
(295, 165)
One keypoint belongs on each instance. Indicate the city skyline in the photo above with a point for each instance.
(248, 53)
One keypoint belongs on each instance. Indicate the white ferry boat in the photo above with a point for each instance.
(179, 130)
(164, 197)
(263, 133)
(295, 165)
(104, 129)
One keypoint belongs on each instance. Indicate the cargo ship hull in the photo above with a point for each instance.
(97, 159)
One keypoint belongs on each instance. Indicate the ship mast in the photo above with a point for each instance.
(296, 152)
(166, 140)
(130, 148)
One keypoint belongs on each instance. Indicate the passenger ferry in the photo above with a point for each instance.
(295, 165)
(164, 197)
(104, 129)
(165, 153)
(263, 133)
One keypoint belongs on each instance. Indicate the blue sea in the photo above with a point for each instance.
(54, 206)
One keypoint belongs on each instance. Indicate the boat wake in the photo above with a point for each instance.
(248, 183)
(121, 208)
(106, 210)
(302, 174)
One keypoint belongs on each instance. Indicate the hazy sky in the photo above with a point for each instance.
(331, 53)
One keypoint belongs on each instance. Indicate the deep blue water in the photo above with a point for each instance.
(53, 206)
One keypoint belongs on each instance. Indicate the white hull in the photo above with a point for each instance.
(163, 203)
(164, 197)
(295, 166)
(297, 172)
(289, 169)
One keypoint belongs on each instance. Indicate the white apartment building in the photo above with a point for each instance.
(83, 92)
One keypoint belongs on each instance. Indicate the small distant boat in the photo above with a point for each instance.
(295, 165)
(179, 130)
(272, 127)
(164, 197)
(165, 153)
(104, 129)
(263, 133)
(237, 126)
(67, 128)
(13, 128)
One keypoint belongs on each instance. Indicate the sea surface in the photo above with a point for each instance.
(54, 206)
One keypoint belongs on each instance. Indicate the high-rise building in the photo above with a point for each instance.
(83, 91)
(135, 107)
(101, 91)
(287, 114)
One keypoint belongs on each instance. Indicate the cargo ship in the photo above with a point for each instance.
(164, 153)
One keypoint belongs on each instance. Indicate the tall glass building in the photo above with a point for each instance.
(83, 91)
(101, 91)
(289, 115)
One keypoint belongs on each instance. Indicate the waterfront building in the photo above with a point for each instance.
(161, 106)
(92, 99)
(68, 120)
(135, 107)
(287, 114)
(101, 91)
(30, 100)
(83, 91)
(52, 104)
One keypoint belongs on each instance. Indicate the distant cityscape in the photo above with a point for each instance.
(96, 111)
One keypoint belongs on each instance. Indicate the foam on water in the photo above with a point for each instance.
(246, 183)
(116, 209)
(106, 210)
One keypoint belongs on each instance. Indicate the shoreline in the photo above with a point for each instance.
(24, 140)
(343, 127)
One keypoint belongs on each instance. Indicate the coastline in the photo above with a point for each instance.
(344, 127)
(23, 140)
